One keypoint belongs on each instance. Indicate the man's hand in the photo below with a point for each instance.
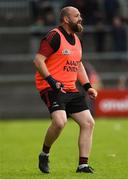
(55, 85)
(92, 93)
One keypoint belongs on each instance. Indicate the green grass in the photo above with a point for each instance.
(21, 141)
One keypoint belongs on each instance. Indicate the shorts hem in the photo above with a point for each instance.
(56, 109)
(80, 110)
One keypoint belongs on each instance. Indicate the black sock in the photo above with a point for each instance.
(83, 160)
(46, 149)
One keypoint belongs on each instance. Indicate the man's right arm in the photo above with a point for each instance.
(39, 62)
(48, 45)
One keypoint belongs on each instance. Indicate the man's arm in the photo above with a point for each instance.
(84, 80)
(82, 75)
(39, 62)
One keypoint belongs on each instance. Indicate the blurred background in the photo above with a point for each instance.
(105, 53)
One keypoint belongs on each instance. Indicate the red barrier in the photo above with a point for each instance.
(112, 103)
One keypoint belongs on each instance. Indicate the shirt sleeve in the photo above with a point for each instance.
(49, 44)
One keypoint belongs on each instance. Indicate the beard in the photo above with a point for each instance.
(75, 27)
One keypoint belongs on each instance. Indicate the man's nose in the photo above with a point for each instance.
(80, 19)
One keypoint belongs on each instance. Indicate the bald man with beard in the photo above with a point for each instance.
(59, 66)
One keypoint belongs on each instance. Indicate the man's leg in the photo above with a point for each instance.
(59, 120)
(86, 123)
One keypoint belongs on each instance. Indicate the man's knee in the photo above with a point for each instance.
(89, 123)
(60, 124)
(59, 120)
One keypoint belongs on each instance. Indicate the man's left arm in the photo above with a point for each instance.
(84, 80)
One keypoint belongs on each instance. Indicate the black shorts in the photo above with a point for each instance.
(71, 102)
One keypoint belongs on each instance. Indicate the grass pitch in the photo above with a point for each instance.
(21, 141)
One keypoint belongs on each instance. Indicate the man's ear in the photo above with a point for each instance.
(66, 19)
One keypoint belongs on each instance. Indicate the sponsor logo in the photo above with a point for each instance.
(66, 52)
(71, 66)
(55, 104)
(114, 105)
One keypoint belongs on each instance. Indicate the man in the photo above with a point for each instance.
(59, 66)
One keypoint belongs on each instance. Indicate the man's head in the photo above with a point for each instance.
(70, 16)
